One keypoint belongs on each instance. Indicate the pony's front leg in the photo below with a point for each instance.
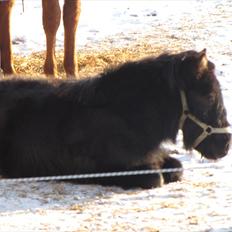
(71, 14)
(6, 59)
(51, 22)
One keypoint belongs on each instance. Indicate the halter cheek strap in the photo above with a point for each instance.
(207, 129)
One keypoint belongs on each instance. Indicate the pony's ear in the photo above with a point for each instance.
(202, 63)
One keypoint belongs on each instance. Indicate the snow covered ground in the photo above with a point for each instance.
(203, 200)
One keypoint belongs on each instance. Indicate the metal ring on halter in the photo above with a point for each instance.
(207, 129)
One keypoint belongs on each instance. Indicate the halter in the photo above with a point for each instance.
(207, 129)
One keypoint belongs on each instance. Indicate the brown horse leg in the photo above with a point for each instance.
(51, 22)
(71, 14)
(5, 37)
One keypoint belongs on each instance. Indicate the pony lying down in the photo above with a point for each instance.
(113, 122)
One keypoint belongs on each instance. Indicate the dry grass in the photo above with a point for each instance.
(90, 62)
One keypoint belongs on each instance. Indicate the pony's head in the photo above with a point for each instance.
(203, 121)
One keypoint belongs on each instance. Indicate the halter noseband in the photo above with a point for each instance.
(207, 129)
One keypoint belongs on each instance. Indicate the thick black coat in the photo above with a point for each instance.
(112, 122)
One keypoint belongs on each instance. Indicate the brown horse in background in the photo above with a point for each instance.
(51, 22)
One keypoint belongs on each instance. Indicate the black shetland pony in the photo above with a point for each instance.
(113, 122)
